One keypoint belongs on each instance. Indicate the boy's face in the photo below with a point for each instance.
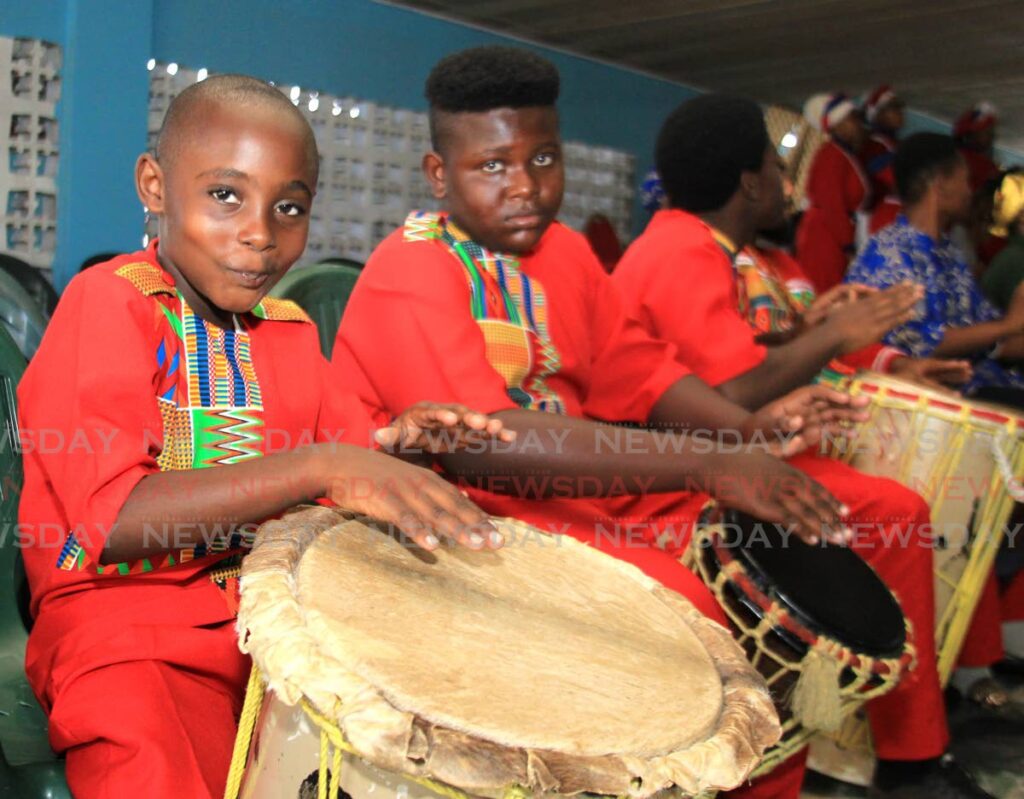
(500, 175)
(890, 117)
(234, 202)
(954, 192)
(770, 210)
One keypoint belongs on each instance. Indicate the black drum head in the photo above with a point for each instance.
(827, 588)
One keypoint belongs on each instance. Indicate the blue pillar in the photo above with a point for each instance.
(104, 114)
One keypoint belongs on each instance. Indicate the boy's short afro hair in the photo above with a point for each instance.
(704, 146)
(485, 78)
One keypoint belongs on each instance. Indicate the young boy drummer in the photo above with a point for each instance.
(723, 182)
(157, 365)
(494, 304)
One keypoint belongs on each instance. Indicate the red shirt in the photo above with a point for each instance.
(680, 283)
(128, 382)
(545, 331)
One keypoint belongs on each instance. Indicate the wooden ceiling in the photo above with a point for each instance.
(942, 55)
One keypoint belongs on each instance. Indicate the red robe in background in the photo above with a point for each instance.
(678, 279)
(836, 189)
(980, 166)
(877, 157)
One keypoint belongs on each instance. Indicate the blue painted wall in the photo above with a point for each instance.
(356, 47)
(383, 53)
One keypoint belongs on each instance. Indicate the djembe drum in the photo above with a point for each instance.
(545, 667)
(816, 621)
(960, 455)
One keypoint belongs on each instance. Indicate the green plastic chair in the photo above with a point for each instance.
(33, 281)
(322, 291)
(20, 315)
(28, 767)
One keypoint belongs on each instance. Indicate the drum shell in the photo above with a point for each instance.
(285, 754)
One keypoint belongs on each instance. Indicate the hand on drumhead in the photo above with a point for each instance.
(935, 373)
(774, 491)
(430, 427)
(417, 501)
(867, 319)
(802, 418)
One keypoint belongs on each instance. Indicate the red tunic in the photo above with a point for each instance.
(712, 338)
(678, 278)
(137, 663)
(836, 189)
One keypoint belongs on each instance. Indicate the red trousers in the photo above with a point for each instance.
(1013, 599)
(983, 644)
(890, 525)
(143, 693)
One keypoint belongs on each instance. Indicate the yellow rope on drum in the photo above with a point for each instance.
(246, 724)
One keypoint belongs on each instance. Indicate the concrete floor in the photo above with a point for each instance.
(991, 748)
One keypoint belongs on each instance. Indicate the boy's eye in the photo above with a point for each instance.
(223, 195)
(290, 209)
(544, 159)
(492, 166)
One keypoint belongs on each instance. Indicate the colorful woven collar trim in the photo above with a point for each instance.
(150, 279)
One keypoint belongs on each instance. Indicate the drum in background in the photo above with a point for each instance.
(815, 621)
(961, 456)
(543, 667)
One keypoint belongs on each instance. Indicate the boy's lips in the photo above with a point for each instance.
(253, 278)
(525, 220)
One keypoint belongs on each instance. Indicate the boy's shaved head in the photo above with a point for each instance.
(190, 110)
(482, 79)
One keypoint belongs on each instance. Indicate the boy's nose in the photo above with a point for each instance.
(522, 184)
(257, 233)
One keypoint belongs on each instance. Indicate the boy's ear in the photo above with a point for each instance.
(750, 185)
(149, 183)
(433, 170)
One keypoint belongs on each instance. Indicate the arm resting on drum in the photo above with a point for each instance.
(178, 509)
